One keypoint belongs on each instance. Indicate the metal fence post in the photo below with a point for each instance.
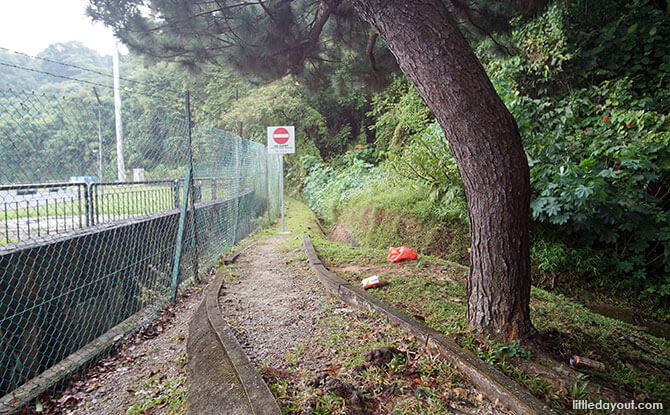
(267, 188)
(237, 189)
(87, 204)
(93, 195)
(175, 193)
(191, 183)
(180, 239)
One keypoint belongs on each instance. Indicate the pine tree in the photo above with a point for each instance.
(272, 38)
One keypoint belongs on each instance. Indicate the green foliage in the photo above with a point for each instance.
(38, 128)
(326, 188)
(219, 91)
(599, 168)
(269, 40)
(576, 44)
(542, 52)
(588, 87)
(420, 288)
(622, 39)
(73, 54)
(427, 159)
(345, 117)
(168, 394)
(282, 102)
(390, 211)
(399, 114)
(552, 256)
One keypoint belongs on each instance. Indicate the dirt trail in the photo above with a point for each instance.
(320, 356)
(317, 354)
(272, 307)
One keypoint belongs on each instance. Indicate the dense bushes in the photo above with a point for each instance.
(326, 187)
(590, 96)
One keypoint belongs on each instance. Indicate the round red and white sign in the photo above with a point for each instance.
(281, 139)
(280, 135)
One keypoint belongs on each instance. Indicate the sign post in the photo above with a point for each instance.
(281, 140)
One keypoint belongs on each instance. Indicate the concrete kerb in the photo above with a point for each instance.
(260, 399)
(493, 383)
(230, 259)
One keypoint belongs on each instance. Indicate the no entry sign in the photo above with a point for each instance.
(281, 140)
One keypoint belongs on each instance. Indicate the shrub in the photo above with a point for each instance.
(326, 188)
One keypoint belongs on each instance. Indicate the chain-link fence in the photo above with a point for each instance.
(88, 250)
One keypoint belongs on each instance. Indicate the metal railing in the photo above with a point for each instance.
(33, 211)
(112, 201)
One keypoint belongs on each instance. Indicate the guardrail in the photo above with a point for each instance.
(36, 211)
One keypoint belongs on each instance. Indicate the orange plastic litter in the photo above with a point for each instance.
(398, 254)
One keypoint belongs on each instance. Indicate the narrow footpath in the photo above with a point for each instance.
(316, 354)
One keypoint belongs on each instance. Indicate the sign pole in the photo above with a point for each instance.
(281, 140)
(281, 190)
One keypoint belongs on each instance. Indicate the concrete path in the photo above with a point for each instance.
(222, 378)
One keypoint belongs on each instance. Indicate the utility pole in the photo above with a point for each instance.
(237, 96)
(120, 164)
(99, 136)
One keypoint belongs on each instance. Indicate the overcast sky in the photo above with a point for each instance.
(30, 26)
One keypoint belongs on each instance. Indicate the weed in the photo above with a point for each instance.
(578, 392)
(181, 360)
(418, 290)
(179, 337)
(168, 393)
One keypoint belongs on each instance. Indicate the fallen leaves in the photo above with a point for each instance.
(460, 392)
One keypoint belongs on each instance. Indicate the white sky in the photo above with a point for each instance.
(29, 26)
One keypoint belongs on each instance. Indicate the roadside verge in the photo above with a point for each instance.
(490, 381)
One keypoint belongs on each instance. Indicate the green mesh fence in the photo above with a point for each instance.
(86, 254)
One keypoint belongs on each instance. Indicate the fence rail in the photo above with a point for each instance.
(32, 211)
(77, 259)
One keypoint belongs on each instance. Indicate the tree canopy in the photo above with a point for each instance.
(268, 39)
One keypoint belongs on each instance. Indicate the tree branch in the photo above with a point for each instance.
(307, 46)
(370, 52)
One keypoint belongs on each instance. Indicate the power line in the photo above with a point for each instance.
(53, 61)
(84, 69)
(11, 65)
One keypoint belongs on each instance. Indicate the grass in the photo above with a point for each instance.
(636, 363)
(161, 393)
(182, 359)
(298, 221)
(413, 382)
(421, 290)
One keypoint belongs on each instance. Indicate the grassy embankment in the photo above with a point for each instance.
(402, 380)
(433, 290)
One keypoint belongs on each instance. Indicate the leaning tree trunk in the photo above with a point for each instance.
(485, 142)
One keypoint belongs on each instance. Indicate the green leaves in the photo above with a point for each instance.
(326, 189)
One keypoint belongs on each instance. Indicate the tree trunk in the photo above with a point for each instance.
(485, 142)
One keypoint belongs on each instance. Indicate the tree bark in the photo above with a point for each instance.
(485, 142)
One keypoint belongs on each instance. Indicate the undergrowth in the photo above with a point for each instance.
(433, 290)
